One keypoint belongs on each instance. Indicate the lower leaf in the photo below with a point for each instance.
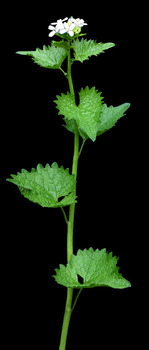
(97, 268)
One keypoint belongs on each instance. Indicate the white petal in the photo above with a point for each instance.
(59, 21)
(52, 33)
(72, 26)
(65, 19)
(71, 33)
(60, 25)
(57, 30)
(51, 27)
(66, 25)
(62, 31)
(72, 19)
(54, 23)
(81, 21)
(82, 24)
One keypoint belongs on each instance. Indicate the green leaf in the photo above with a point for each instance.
(97, 268)
(46, 185)
(50, 57)
(108, 118)
(84, 48)
(87, 114)
(110, 115)
(62, 43)
(69, 125)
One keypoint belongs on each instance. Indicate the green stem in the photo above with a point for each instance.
(69, 75)
(70, 225)
(72, 206)
(67, 315)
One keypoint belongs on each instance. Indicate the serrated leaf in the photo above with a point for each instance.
(108, 118)
(63, 44)
(97, 268)
(46, 185)
(84, 48)
(49, 57)
(87, 114)
(69, 125)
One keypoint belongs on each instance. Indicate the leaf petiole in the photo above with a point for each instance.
(81, 148)
(63, 72)
(76, 299)
(65, 216)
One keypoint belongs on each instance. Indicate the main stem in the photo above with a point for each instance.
(70, 225)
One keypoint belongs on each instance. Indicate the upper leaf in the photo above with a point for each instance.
(49, 57)
(84, 48)
(97, 268)
(108, 118)
(87, 114)
(46, 186)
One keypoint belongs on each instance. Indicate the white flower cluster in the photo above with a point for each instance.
(67, 25)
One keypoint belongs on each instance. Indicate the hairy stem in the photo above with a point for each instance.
(70, 225)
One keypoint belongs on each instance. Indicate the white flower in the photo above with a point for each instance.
(78, 22)
(54, 30)
(72, 26)
(69, 27)
(59, 26)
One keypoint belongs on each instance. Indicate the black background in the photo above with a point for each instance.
(108, 213)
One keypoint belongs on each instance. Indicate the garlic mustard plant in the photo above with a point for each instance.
(52, 186)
